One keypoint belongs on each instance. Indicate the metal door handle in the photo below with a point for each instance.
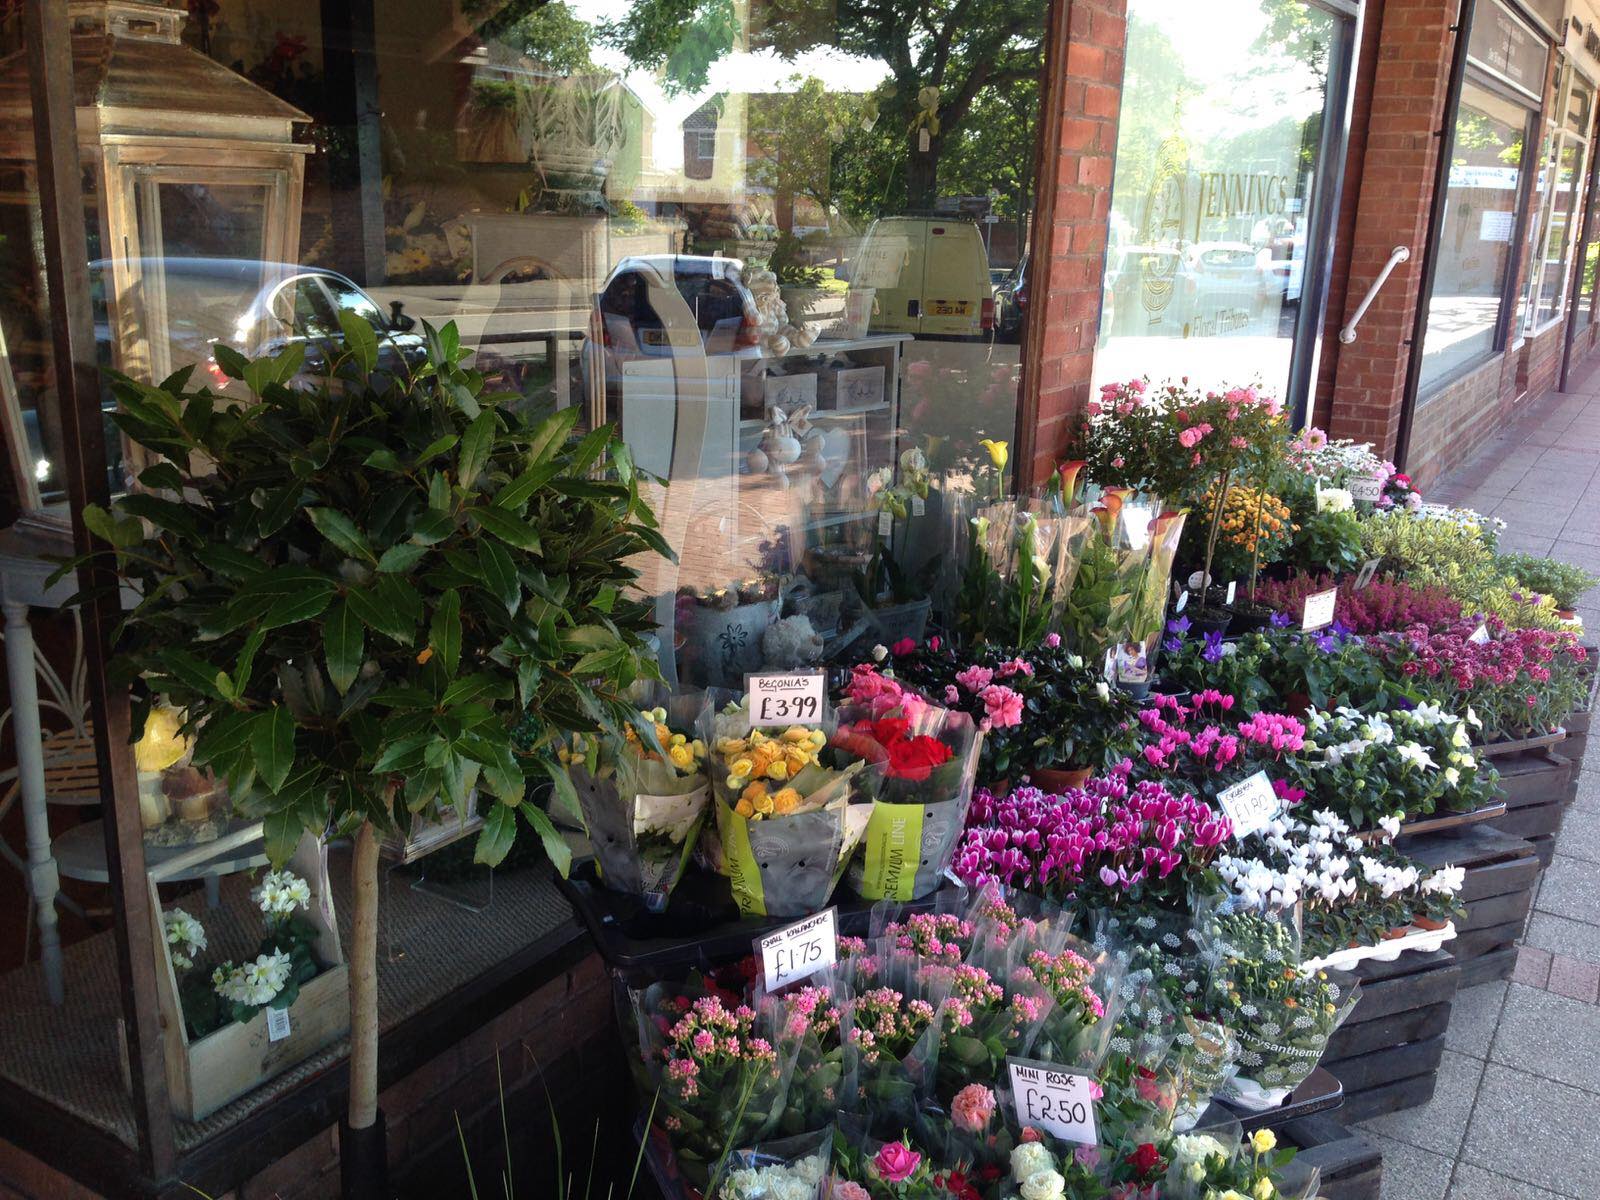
(1396, 256)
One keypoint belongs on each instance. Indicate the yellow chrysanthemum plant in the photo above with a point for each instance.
(643, 796)
(791, 804)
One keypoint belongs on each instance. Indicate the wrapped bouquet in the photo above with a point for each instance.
(643, 799)
(1283, 1015)
(786, 818)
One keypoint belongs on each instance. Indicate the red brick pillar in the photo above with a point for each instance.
(1078, 144)
(1393, 200)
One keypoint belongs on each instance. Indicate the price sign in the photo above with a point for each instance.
(1480, 635)
(1318, 610)
(800, 950)
(277, 1024)
(885, 523)
(1369, 570)
(1233, 587)
(1053, 1099)
(1250, 804)
(919, 506)
(794, 698)
(1366, 488)
(1183, 602)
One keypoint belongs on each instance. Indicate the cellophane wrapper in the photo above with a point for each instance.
(916, 822)
(727, 1099)
(1212, 1161)
(787, 1168)
(643, 816)
(788, 865)
(810, 1017)
(892, 1042)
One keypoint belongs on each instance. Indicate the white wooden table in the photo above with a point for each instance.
(24, 569)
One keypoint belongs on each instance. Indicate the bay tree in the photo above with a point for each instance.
(355, 586)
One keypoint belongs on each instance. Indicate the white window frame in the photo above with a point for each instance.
(1559, 138)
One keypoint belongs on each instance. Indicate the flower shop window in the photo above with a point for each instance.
(1491, 132)
(1562, 171)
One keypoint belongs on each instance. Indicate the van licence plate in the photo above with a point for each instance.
(951, 308)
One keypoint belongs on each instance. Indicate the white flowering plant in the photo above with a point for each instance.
(1223, 1165)
(186, 938)
(1367, 766)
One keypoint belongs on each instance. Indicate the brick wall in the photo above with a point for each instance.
(1078, 140)
(1539, 361)
(551, 1032)
(1458, 418)
(1392, 189)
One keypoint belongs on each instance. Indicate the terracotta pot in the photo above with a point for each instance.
(1398, 932)
(1056, 780)
(1296, 702)
(1567, 614)
(1429, 924)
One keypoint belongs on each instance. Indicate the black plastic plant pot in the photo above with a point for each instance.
(1248, 616)
(364, 1161)
(1204, 620)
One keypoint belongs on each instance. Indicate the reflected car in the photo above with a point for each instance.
(255, 307)
(658, 308)
(1011, 303)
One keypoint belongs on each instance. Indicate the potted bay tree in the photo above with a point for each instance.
(353, 589)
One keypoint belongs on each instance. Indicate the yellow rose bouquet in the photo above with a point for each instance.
(643, 796)
(792, 803)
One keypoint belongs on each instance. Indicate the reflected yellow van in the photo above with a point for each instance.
(931, 276)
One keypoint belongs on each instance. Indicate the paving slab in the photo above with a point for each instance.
(1441, 1123)
(1474, 1183)
(1473, 1018)
(1562, 935)
(1535, 1131)
(1526, 1039)
(1569, 889)
(1410, 1173)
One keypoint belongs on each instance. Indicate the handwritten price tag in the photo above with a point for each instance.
(1250, 804)
(788, 699)
(799, 950)
(1055, 1100)
(1318, 610)
(277, 1024)
(1366, 488)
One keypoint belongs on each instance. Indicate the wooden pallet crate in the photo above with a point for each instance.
(1501, 873)
(1388, 1051)
(1537, 787)
(1351, 1166)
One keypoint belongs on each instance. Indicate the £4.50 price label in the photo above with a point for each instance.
(1055, 1100)
(1249, 804)
(1366, 488)
(794, 698)
(799, 950)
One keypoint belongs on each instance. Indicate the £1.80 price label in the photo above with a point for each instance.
(799, 950)
(1249, 804)
(794, 698)
(1055, 1100)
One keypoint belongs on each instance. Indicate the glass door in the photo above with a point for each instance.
(1229, 152)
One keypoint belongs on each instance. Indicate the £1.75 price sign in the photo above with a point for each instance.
(790, 698)
(1053, 1099)
(799, 950)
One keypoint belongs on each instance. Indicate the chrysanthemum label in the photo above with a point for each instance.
(1057, 1101)
(799, 950)
(1318, 610)
(1250, 804)
(277, 1024)
(791, 698)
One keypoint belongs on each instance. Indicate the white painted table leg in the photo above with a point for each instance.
(43, 881)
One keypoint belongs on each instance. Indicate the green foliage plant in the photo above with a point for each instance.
(355, 586)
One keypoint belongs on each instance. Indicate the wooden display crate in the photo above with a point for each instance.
(1387, 1053)
(1351, 1166)
(1501, 872)
(204, 1075)
(1536, 788)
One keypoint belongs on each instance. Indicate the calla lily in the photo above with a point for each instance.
(999, 452)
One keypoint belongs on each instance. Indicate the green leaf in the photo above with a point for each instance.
(431, 527)
(437, 447)
(227, 561)
(520, 490)
(381, 617)
(551, 434)
(277, 507)
(190, 669)
(233, 363)
(512, 530)
(500, 574)
(475, 445)
(499, 831)
(342, 532)
(359, 338)
(272, 743)
(291, 610)
(163, 476)
(555, 846)
(403, 754)
(280, 368)
(119, 531)
(475, 687)
(502, 774)
(444, 634)
(282, 830)
(247, 654)
(165, 514)
(343, 640)
(401, 557)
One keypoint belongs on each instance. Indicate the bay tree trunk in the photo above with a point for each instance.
(364, 980)
(922, 173)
